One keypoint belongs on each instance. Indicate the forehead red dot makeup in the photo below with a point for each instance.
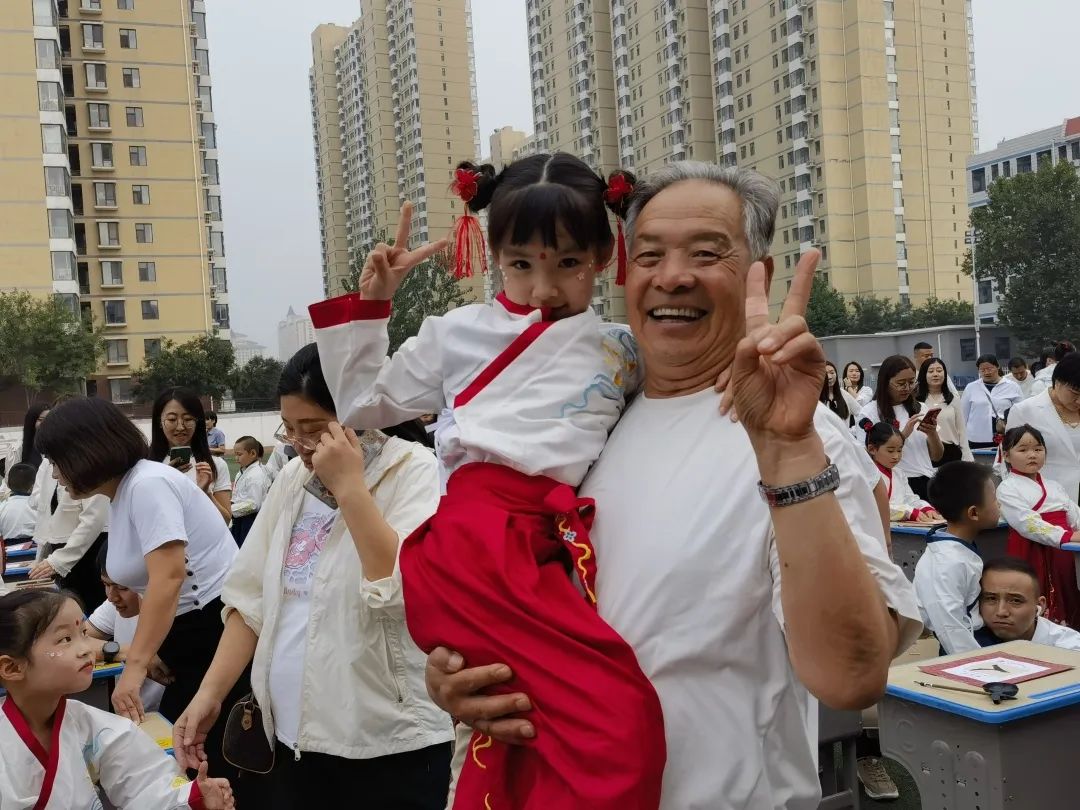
(543, 255)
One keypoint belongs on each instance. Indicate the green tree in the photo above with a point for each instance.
(44, 345)
(941, 312)
(1029, 244)
(429, 289)
(826, 312)
(204, 364)
(871, 314)
(254, 384)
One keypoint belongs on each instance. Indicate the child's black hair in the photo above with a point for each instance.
(20, 479)
(251, 445)
(1014, 435)
(880, 434)
(958, 486)
(25, 615)
(536, 194)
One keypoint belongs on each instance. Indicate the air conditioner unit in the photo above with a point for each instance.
(193, 28)
(210, 253)
(198, 104)
(202, 141)
(207, 218)
(195, 67)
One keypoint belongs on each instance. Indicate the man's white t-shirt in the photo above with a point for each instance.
(309, 535)
(155, 505)
(122, 631)
(689, 576)
(1055, 635)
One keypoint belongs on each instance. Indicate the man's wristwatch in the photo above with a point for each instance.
(109, 651)
(825, 481)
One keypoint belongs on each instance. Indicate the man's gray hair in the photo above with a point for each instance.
(760, 198)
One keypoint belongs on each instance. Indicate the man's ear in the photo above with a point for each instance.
(1041, 602)
(12, 669)
(770, 270)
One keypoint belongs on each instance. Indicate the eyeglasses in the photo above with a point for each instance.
(903, 385)
(284, 436)
(172, 421)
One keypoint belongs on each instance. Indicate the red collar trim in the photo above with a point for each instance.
(521, 309)
(49, 761)
(1042, 486)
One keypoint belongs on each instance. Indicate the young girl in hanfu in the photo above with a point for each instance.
(528, 389)
(1041, 517)
(57, 754)
(885, 444)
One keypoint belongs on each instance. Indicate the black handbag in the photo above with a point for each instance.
(244, 745)
(952, 453)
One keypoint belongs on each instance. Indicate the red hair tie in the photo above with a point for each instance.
(469, 247)
(618, 189)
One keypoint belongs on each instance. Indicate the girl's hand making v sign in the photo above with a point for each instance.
(387, 265)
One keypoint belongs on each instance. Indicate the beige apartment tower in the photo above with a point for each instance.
(393, 100)
(863, 111)
(503, 144)
(109, 163)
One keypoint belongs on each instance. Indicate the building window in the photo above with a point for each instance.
(147, 271)
(115, 314)
(63, 265)
(140, 195)
(108, 234)
(151, 347)
(53, 139)
(99, 116)
(967, 350)
(49, 94)
(61, 224)
(144, 233)
(986, 291)
(150, 310)
(1023, 164)
(57, 182)
(44, 13)
(93, 37)
(994, 171)
(112, 274)
(120, 390)
(127, 38)
(134, 116)
(137, 155)
(90, 5)
(131, 77)
(1006, 169)
(105, 195)
(1002, 347)
(125, 5)
(96, 76)
(116, 352)
(978, 180)
(48, 54)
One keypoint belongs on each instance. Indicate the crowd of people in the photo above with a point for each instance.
(593, 566)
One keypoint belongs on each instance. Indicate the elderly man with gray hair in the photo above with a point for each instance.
(744, 561)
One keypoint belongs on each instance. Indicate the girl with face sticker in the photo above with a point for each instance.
(528, 388)
(55, 753)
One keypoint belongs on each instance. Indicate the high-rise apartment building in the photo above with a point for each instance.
(864, 112)
(393, 100)
(503, 143)
(293, 333)
(109, 166)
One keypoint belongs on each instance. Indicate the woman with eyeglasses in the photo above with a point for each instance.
(339, 679)
(178, 438)
(895, 403)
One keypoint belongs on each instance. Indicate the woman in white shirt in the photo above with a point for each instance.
(339, 679)
(24, 452)
(167, 542)
(836, 398)
(178, 420)
(855, 383)
(895, 403)
(986, 403)
(935, 392)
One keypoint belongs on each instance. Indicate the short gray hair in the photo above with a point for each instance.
(760, 198)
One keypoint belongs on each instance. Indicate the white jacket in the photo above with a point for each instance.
(978, 406)
(1062, 460)
(363, 693)
(64, 536)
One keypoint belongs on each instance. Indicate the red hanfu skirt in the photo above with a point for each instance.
(1056, 570)
(487, 576)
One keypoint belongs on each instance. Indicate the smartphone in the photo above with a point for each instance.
(181, 454)
(319, 490)
(289, 451)
(931, 416)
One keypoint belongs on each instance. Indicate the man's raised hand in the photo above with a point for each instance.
(387, 265)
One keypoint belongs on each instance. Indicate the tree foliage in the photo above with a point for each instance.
(255, 384)
(1029, 244)
(827, 313)
(429, 289)
(204, 364)
(44, 345)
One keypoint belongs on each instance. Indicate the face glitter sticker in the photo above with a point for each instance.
(580, 276)
(54, 653)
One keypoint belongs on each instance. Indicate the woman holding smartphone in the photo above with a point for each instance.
(178, 438)
(937, 395)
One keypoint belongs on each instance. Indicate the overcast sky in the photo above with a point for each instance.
(1024, 68)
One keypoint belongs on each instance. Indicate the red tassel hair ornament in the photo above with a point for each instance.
(618, 189)
(469, 248)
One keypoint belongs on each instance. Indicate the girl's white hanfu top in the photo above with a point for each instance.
(904, 504)
(1025, 500)
(511, 387)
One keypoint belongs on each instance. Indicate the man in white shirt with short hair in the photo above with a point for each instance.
(1011, 604)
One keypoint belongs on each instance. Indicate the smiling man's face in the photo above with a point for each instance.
(686, 283)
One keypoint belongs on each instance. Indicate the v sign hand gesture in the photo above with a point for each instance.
(387, 265)
(778, 368)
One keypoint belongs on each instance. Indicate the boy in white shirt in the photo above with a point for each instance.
(250, 487)
(1012, 606)
(948, 573)
(17, 516)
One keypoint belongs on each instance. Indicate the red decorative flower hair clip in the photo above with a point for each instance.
(618, 189)
(464, 185)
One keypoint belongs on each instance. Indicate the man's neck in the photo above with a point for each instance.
(665, 382)
(963, 531)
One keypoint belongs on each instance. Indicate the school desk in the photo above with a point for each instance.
(17, 570)
(20, 554)
(909, 543)
(966, 753)
(985, 456)
(159, 730)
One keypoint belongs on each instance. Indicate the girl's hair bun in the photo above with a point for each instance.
(619, 191)
(477, 196)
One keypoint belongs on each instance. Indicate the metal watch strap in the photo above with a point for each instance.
(826, 481)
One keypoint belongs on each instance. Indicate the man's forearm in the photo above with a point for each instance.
(840, 633)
